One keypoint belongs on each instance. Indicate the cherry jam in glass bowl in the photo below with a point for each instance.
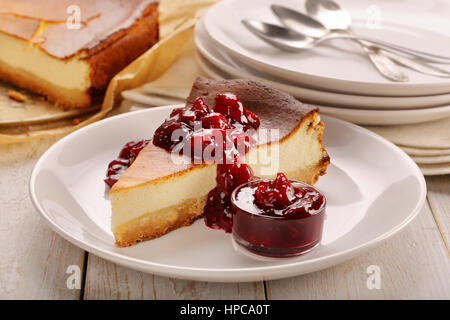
(277, 217)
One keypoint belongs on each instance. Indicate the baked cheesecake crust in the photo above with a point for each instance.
(115, 52)
(107, 53)
(99, 20)
(275, 109)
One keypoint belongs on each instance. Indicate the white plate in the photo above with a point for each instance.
(236, 69)
(339, 66)
(373, 190)
(359, 116)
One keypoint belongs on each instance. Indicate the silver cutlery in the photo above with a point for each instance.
(336, 18)
(289, 40)
(300, 22)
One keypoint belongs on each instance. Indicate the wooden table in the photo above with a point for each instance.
(34, 260)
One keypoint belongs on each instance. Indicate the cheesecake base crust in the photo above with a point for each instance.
(155, 224)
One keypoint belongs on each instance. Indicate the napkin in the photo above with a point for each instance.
(435, 169)
(427, 135)
(427, 143)
(425, 152)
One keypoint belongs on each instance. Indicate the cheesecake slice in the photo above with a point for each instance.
(159, 192)
(46, 50)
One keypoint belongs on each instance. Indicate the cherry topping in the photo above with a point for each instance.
(188, 117)
(278, 193)
(277, 218)
(126, 157)
(242, 143)
(176, 113)
(218, 135)
(218, 212)
(252, 119)
(170, 133)
(225, 103)
(132, 149)
(215, 120)
(229, 105)
(206, 144)
(188, 125)
(200, 108)
(229, 176)
(279, 197)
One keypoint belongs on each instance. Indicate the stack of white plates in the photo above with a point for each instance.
(336, 77)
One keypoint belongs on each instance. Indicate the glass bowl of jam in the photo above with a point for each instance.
(277, 217)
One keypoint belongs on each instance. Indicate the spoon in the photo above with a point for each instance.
(290, 40)
(300, 22)
(283, 38)
(335, 18)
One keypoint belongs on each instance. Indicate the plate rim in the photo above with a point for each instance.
(224, 275)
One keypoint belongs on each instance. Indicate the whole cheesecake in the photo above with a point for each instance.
(159, 192)
(72, 66)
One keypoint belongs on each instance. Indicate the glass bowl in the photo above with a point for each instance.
(274, 236)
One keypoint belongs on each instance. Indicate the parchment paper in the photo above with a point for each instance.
(177, 19)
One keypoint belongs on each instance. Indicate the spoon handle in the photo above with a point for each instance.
(384, 64)
(418, 66)
(391, 47)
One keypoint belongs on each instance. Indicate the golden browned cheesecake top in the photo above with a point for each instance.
(44, 23)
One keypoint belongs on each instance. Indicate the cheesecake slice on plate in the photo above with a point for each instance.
(68, 51)
(159, 192)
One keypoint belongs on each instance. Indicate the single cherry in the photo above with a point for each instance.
(253, 119)
(200, 108)
(229, 176)
(207, 143)
(215, 120)
(229, 105)
(170, 133)
(278, 193)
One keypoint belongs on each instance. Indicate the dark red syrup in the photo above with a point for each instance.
(218, 210)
